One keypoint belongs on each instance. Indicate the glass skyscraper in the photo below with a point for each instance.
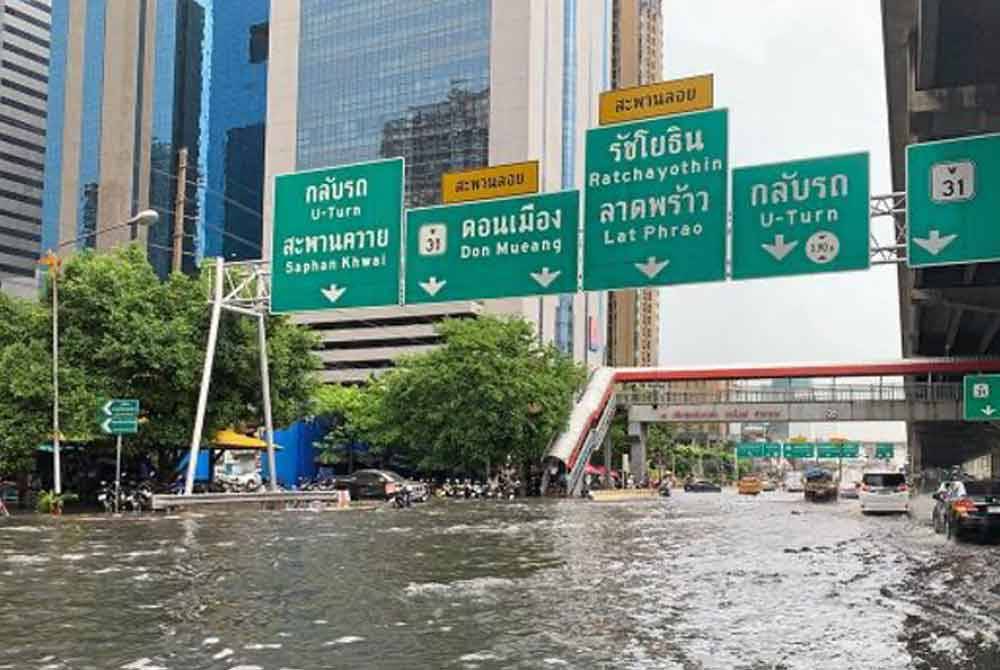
(448, 85)
(383, 78)
(134, 83)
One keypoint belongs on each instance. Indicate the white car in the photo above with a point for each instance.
(884, 492)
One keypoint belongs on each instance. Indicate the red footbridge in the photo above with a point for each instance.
(925, 393)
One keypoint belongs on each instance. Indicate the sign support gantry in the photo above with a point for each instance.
(241, 288)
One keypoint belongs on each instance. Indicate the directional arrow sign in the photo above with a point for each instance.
(129, 407)
(432, 286)
(336, 239)
(651, 267)
(545, 277)
(120, 426)
(779, 248)
(655, 201)
(333, 293)
(952, 201)
(801, 217)
(934, 243)
(502, 248)
(981, 398)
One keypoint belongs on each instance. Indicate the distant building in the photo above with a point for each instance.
(448, 85)
(133, 83)
(24, 80)
(636, 58)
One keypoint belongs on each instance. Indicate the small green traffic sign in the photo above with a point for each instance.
(120, 425)
(795, 451)
(885, 451)
(121, 407)
(981, 398)
(336, 239)
(758, 450)
(837, 450)
(508, 247)
(655, 201)
(801, 217)
(952, 201)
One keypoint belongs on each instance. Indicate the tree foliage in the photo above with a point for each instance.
(125, 334)
(490, 393)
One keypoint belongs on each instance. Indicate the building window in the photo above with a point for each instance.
(258, 43)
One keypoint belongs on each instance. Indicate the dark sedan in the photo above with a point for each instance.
(968, 510)
(382, 485)
(701, 486)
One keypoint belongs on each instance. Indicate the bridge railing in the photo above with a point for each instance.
(631, 394)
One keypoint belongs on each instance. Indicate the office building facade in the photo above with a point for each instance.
(135, 82)
(24, 79)
(636, 59)
(448, 85)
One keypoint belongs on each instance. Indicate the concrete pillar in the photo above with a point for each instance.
(638, 435)
(915, 453)
(607, 460)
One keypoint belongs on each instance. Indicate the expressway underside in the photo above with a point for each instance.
(943, 81)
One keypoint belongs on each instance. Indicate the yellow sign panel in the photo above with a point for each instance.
(499, 181)
(666, 97)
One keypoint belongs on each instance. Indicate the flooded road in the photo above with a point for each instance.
(699, 581)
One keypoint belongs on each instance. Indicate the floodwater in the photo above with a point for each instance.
(698, 581)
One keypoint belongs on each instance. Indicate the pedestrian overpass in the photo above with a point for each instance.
(917, 391)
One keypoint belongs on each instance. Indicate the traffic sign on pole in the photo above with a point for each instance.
(656, 201)
(493, 249)
(981, 398)
(129, 407)
(120, 425)
(801, 217)
(952, 201)
(336, 239)
(885, 450)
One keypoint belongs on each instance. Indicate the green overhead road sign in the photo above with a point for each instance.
(799, 451)
(952, 201)
(655, 201)
(834, 450)
(885, 451)
(120, 426)
(758, 450)
(128, 407)
(336, 239)
(981, 398)
(493, 249)
(801, 217)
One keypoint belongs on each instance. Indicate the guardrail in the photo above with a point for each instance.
(910, 392)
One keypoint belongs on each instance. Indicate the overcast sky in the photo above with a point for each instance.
(801, 78)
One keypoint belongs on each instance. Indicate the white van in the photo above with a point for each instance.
(884, 492)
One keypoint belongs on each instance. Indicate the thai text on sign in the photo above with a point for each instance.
(498, 181)
(667, 97)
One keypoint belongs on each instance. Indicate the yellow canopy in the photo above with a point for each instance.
(230, 439)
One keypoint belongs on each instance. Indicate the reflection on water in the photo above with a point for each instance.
(697, 581)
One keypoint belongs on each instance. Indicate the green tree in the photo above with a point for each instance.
(126, 334)
(490, 393)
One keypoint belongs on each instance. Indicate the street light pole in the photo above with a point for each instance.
(56, 465)
(146, 217)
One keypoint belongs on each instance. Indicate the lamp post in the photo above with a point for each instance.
(146, 217)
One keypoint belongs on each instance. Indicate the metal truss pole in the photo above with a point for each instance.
(206, 375)
(894, 205)
(265, 380)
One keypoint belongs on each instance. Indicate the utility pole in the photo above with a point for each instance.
(179, 203)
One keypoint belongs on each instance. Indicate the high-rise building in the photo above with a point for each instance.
(24, 79)
(636, 59)
(133, 84)
(448, 85)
